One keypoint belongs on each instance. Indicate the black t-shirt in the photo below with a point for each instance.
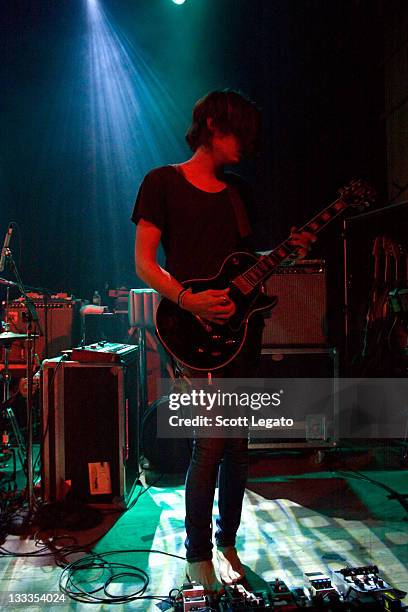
(199, 229)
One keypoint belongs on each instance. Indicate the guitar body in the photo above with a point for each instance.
(204, 346)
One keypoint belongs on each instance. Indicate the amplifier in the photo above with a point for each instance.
(299, 318)
(90, 429)
(60, 324)
(306, 363)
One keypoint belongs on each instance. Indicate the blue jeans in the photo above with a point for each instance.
(212, 457)
(225, 459)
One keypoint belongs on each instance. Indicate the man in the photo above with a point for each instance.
(192, 209)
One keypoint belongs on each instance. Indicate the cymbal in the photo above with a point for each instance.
(9, 337)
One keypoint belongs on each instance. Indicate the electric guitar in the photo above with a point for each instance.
(205, 346)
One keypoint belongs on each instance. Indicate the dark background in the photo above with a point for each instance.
(94, 94)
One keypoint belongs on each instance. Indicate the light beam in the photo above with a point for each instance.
(129, 125)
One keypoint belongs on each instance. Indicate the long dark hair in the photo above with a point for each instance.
(232, 113)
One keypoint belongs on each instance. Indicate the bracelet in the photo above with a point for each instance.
(180, 297)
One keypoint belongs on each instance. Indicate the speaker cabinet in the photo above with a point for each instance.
(89, 428)
(284, 363)
(299, 318)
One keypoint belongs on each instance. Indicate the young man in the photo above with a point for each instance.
(190, 208)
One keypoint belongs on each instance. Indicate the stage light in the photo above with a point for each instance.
(179, 1)
(129, 126)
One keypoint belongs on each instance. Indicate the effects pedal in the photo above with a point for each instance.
(237, 599)
(322, 593)
(319, 584)
(281, 596)
(193, 597)
(361, 580)
(365, 585)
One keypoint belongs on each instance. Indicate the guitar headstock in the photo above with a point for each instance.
(357, 193)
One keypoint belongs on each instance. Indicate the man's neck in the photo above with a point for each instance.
(202, 163)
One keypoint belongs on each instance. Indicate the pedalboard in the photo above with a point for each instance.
(347, 589)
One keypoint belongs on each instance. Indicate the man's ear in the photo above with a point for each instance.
(210, 124)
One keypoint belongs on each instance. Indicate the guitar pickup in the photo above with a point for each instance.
(242, 285)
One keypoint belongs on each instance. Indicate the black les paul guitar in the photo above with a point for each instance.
(205, 346)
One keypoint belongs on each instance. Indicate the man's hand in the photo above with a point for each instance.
(213, 305)
(301, 241)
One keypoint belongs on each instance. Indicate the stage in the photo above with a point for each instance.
(297, 517)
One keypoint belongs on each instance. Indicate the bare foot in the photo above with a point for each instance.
(203, 573)
(229, 566)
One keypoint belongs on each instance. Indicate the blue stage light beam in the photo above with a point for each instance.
(133, 125)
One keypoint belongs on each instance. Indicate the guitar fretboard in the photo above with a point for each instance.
(285, 253)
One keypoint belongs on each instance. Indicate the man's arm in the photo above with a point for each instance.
(213, 305)
(147, 268)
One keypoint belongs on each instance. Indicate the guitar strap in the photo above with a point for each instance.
(244, 227)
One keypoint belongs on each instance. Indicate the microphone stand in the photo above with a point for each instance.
(21, 521)
(346, 299)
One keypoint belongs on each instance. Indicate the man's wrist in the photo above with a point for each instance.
(181, 296)
(185, 299)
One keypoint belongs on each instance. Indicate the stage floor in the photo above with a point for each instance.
(296, 518)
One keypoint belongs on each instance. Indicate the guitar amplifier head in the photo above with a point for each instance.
(299, 318)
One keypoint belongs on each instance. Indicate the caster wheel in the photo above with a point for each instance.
(318, 457)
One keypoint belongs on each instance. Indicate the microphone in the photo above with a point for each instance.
(7, 239)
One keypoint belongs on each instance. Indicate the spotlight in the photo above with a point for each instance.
(179, 1)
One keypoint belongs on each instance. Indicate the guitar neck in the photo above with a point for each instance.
(284, 252)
